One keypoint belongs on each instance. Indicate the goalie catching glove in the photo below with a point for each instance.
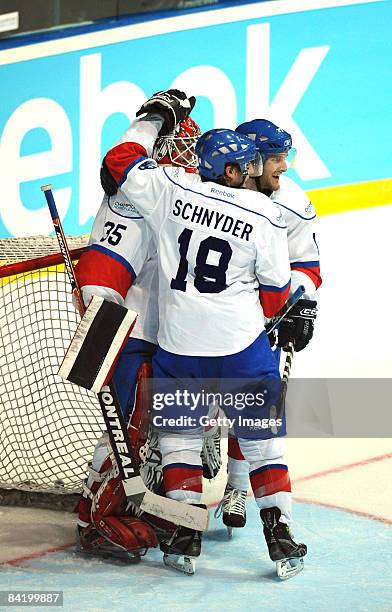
(298, 325)
(172, 105)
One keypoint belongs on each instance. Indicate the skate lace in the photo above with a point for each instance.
(210, 453)
(233, 502)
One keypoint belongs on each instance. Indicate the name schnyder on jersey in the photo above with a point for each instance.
(212, 219)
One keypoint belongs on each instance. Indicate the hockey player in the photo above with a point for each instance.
(120, 264)
(215, 248)
(275, 145)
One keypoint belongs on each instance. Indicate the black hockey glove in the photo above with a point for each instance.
(173, 105)
(108, 183)
(297, 326)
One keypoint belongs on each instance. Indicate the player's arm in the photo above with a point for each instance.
(272, 262)
(301, 221)
(116, 252)
(129, 163)
(298, 326)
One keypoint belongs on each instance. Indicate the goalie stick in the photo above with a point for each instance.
(134, 487)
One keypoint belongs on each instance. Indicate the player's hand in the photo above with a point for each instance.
(173, 105)
(297, 326)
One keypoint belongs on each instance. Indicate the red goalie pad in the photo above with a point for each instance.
(129, 532)
(107, 515)
(140, 420)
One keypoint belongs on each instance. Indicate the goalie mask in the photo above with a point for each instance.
(178, 147)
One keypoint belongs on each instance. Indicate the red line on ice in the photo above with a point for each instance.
(334, 470)
(343, 468)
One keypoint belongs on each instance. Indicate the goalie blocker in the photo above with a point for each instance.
(96, 345)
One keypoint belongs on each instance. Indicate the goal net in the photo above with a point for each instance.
(48, 427)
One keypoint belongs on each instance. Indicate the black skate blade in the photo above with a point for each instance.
(288, 568)
(181, 563)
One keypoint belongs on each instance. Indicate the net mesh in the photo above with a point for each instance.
(48, 427)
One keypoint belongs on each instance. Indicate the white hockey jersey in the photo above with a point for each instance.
(120, 264)
(220, 251)
(300, 218)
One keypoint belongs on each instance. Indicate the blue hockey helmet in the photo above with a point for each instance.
(268, 137)
(219, 147)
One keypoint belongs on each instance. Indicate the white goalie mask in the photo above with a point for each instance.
(178, 147)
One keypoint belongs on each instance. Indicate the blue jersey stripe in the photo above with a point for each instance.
(305, 264)
(128, 168)
(273, 288)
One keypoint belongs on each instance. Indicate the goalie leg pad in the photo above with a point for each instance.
(140, 417)
(128, 532)
(136, 398)
(107, 515)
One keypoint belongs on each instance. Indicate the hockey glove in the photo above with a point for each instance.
(297, 326)
(172, 105)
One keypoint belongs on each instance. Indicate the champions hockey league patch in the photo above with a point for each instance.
(100, 336)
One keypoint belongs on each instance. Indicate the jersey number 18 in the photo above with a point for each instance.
(208, 278)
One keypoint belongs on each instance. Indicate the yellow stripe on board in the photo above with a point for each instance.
(23, 277)
(332, 200)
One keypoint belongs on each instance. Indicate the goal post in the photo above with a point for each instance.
(48, 427)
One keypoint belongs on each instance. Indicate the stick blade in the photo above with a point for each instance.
(176, 512)
(171, 510)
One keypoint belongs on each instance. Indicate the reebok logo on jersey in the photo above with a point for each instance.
(212, 219)
(222, 193)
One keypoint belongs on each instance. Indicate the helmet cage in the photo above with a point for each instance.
(178, 147)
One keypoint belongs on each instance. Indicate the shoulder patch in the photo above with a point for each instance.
(150, 164)
(124, 208)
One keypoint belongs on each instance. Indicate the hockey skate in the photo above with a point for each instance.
(281, 547)
(91, 543)
(181, 549)
(232, 509)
